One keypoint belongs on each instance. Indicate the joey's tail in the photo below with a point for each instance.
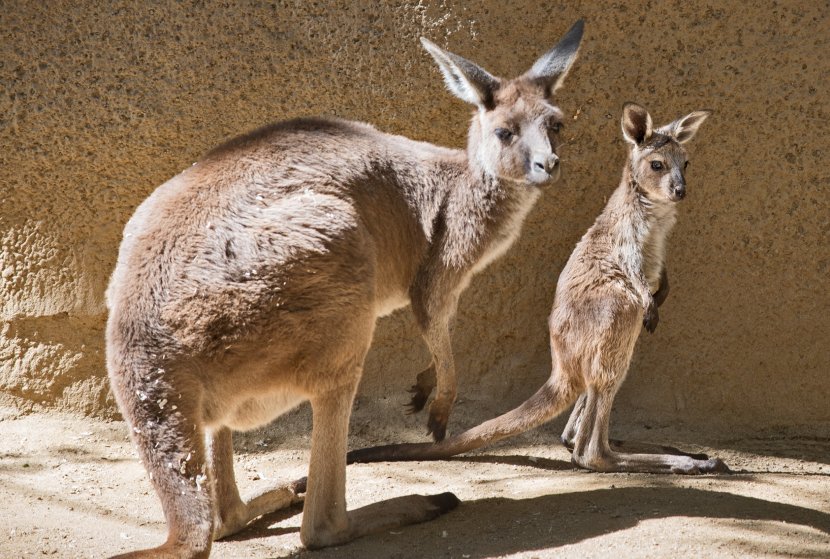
(548, 402)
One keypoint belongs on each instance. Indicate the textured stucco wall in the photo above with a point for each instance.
(102, 101)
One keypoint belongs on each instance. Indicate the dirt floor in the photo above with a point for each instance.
(73, 487)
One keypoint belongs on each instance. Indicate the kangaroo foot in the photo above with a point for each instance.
(650, 463)
(276, 498)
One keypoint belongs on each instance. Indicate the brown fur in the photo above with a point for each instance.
(251, 282)
(611, 286)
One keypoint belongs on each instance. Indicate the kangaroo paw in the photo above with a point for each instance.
(418, 400)
(650, 318)
(424, 384)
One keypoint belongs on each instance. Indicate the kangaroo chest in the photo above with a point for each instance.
(508, 230)
(654, 248)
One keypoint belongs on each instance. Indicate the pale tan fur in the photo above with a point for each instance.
(610, 287)
(251, 282)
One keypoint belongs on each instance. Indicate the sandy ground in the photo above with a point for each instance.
(73, 487)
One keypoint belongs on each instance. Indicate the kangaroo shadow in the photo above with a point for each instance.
(549, 464)
(813, 448)
(264, 526)
(500, 526)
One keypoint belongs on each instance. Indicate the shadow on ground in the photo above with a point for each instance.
(477, 528)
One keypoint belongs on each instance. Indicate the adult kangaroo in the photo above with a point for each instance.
(609, 289)
(252, 281)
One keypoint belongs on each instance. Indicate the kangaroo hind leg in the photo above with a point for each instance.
(574, 420)
(232, 513)
(593, 451)
(326, 521)
(569, 435)
(169, 438)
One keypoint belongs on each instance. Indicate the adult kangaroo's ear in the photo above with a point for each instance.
(636, 124)
(550, 70)
(466, 80)
(684, 129)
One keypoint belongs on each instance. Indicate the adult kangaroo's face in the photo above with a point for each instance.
(519, 138)
(514, 134)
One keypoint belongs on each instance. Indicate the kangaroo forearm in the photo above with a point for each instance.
(439, 343)
(662, 292)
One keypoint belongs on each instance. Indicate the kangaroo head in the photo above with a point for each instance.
(514, 134)
(658, 159)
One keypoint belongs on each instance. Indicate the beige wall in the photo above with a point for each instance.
(102, 101)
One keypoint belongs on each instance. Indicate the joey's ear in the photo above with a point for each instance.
(467, 80)
(684, 129)
(636, 123)
(550, 70)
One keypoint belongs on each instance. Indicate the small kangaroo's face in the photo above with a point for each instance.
(515, 131)
(658, 158)
(659, 167)
(518, 139)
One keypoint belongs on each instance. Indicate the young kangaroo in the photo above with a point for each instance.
(251, 282)
(611, 286)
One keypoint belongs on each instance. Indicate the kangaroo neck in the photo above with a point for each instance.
(635, 229)
(482, 214)
(637, 216)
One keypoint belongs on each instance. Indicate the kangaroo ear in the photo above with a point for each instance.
(466, 80)
(684, 129)
(550, 70)
(636, 124)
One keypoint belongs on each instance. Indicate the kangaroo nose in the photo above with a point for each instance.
(680, 191)
(545, 163)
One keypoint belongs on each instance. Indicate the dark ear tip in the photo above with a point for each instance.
(576, 31)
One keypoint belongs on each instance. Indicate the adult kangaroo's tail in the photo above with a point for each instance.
(549, 401)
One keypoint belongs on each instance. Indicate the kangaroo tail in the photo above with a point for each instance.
(548, 402)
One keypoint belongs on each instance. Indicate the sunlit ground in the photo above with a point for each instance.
(73, 487)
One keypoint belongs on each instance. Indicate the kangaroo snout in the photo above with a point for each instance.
(544, 168)
(678, 185)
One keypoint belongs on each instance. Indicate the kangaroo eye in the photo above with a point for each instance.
(686, 165)
(504, 134)
(556, 126)
(656, 165)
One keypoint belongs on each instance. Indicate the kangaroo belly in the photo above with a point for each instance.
(249, 412)
(391, 304)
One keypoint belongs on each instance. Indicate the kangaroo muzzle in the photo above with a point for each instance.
(678, 186)
(544, 168)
